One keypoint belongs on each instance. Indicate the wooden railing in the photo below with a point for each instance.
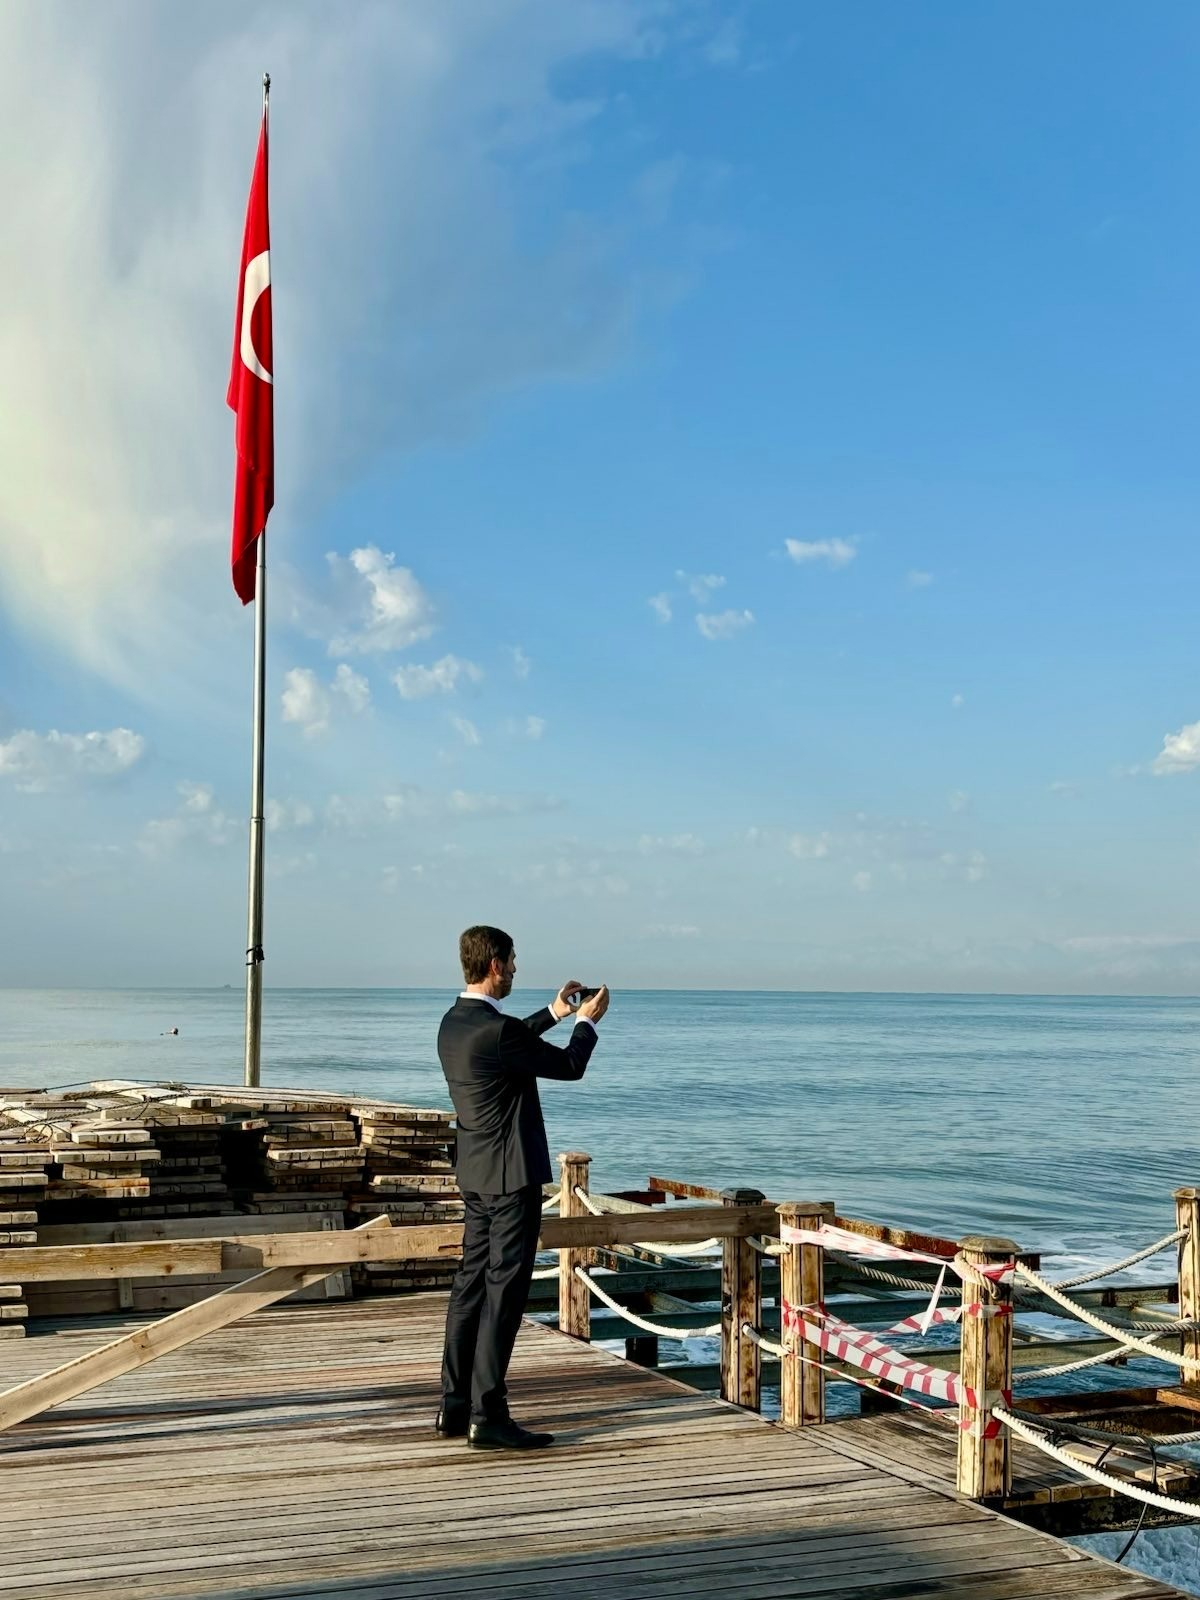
(284, 1262)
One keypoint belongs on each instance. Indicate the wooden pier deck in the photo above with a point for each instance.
(292, 1455)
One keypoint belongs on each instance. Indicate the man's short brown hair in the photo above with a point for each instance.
(478, 947)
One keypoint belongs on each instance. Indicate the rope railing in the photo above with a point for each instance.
(1127, 1261)
(1120, 1335)
(554, 1200)
(641, 1322)
(673, 1252)
(769, 1347)
(1038, 1436)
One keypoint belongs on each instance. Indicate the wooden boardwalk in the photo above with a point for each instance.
(292, 1456)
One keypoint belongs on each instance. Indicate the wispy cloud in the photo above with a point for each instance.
(723, 624)
(197, 820)
(673, 844)
(918, 580)
(1180, 752)
(521, 664)
(701, 585)
(832, 552)
(660, 604)
(535, 727)
(466, 730)
(443, 677)
(305, 702)
(38, 761)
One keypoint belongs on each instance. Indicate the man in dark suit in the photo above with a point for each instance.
(492, 1064)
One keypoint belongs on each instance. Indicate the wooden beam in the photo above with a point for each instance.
(144, 1344)
(179, 1257)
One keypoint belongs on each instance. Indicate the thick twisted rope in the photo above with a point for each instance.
(1121, 1335)
(640, 1322)
(1134, 1491)
(951, 1291)
(1127, 1261)
(1102, 1359)
(554, 1200)
(672, 1252)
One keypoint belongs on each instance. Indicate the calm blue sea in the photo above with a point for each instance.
(1062, 1122)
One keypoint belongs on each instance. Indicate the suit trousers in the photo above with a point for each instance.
(487, 1300)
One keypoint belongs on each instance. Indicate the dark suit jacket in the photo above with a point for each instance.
(492, 1064)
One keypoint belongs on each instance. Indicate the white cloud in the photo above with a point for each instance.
(284, 814)
(660, 604)
(133, 207)
(535, 727)
(309, 704)
(808, 846)
(521, 663)
(919, 580)
(674, 844)
(959, 800)
(305, 702)
(723, 624)
(197, 797)
(443, 677)
(861, 882)
(1180, 752)
(466, 730)
(701, 586)
(353, 688)
(971, 867)
(958, 701)
(198, 820)
(39, 761)
(393, 610)
(833, 552)
(672, 930)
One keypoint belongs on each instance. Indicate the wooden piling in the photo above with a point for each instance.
(801, 1283)
(741, 1303)
(574, 1297)
(1187, 1215)
(985, 1368)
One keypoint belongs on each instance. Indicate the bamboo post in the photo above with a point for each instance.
(1187, 1215)
(574, 1298)
(985, 1368)
(801, 1283)
(741, 1303)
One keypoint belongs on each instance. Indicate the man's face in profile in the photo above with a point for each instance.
(506, 979)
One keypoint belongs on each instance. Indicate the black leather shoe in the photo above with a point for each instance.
(506, 1435)
(451, 1424)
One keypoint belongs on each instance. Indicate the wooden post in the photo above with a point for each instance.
(741, 1302)
(1187, 1215)
(574, 1296)
(985, 1368)
(801, 1283)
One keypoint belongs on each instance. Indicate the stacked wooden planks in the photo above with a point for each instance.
(116, 1156)
(23, 1169)
(409, 1173)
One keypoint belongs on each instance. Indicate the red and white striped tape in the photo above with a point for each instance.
(863, 1350)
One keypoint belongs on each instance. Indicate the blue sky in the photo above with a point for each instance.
(736, 493)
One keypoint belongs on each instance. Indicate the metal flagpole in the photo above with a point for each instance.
(254, 921)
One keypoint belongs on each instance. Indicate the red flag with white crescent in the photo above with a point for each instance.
(251, 384)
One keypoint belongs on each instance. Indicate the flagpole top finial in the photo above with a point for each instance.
(266, 83)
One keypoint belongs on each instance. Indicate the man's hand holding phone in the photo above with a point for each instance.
(593, 1007)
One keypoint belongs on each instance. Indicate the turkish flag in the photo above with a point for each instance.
(251, 384)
